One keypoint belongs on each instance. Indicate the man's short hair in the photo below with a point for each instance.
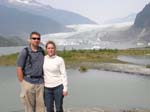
(35, 33)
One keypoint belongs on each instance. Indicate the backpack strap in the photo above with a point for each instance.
(30, 57)
(27, 55)
(43, 52)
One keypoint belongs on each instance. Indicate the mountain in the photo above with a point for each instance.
(129, 18)
(143, 18)
(15, 41)
(94, 37)
(142, 24)
(14, 22)
(20, 17)
(115, 36)
(61, 16)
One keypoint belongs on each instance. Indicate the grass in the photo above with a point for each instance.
(7, 60)
(77, 56)
(105, 55)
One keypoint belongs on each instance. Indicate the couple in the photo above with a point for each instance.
(42, 78)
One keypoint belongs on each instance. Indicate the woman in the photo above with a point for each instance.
(55, 79)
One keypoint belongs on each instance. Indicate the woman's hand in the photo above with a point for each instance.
(65, 93)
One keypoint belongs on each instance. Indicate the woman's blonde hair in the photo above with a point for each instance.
(50, 42)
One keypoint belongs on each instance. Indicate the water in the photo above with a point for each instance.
(90, 89)
(141, 60)
(108, 89)
(9, 90)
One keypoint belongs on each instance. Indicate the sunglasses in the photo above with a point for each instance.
(36, 38)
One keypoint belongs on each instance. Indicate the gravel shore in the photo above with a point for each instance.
(115, 67)
(104, 110)
(125, 68)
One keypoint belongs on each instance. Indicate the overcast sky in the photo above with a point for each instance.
(99, 10)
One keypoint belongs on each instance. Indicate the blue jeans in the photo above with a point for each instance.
(52, 95)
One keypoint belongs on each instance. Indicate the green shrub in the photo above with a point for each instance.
(147, 66)
(82, 69)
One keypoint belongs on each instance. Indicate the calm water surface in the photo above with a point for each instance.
(90, 89)
(140, 60)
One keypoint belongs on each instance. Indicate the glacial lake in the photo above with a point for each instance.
(93, 88)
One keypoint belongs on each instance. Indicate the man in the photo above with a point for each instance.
(30, 75)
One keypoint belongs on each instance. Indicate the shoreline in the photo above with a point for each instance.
(98, 109)
(105, 110)
(113, 67)
(102, 59)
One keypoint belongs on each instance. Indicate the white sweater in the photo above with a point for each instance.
(54, 72)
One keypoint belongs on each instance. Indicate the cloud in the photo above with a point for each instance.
(21, 1)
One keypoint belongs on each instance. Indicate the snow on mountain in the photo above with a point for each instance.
(21, 1)
(93, 37)
(26, 2)
(86, 27)
(83, 27)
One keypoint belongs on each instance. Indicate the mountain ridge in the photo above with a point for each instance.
(19, 23)
(142, 19)
(142, 24)
(58, 15)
